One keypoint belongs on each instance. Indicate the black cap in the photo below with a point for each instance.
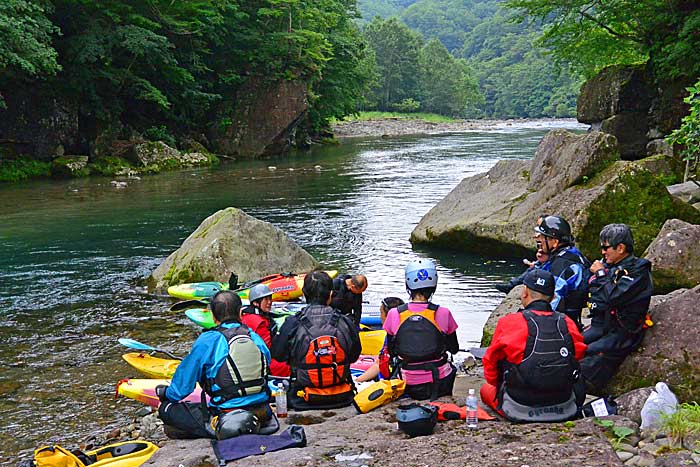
(540, 281)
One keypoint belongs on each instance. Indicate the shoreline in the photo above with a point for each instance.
(394, 127)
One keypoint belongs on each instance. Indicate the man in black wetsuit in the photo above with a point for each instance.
(347, 295)
(620, 292)
(566, 263)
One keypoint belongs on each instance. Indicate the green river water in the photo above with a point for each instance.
(73, 252)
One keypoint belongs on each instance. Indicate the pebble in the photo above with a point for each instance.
(143, 411)
(627, 448)
(632, 461)
(624, 456)
(696, 458)
(114, 433)
(271, 168)
(318, 168)
(645, 460)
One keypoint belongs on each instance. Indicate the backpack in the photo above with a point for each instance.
(245, 370)
(320, 360)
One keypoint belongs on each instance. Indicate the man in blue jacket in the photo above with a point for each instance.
(231, 364)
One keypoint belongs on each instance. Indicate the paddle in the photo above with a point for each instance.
(136, 345)
(187, 304)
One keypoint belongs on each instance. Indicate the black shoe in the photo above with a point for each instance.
(505, 288)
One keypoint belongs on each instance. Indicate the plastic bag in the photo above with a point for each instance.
(661, 401)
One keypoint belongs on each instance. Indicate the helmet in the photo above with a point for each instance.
(421, 273)
(258, 292)
(237, 422)
(417, 420)
(555, 227)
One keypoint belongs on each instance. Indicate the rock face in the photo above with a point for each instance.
(265, 119)
(158, 154)
(40, 125)
(230, 240)
(670, 350)
(675, 256)
(576, 176)
(638, 108)
(509, 305)
(688, 192)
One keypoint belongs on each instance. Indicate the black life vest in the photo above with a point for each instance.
(418, 337)
(245, 370)
(549, 368)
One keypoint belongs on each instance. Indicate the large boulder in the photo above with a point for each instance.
(616, 89)
(509, 305)
(158, 155)
(670, 351)
(265, 119)
(69, 166)
(576, 176)
(230, 240)
(675, 256)
(688, 192)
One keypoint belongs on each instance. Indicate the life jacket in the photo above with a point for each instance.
(575, 287)
(633, 317)
(271, 323)
(545, 377)
(245, 370)
(419, 338)
(319, 357)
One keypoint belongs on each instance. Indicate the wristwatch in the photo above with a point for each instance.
(600, 273)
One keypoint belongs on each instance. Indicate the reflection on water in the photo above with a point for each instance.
(73, 250)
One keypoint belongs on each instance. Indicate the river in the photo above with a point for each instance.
(73, 252)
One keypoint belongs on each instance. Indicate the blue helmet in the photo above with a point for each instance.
(421, 273)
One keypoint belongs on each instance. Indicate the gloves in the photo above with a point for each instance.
(504, 287)
(160, 392)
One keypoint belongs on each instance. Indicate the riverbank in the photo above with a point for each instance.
(396, 126)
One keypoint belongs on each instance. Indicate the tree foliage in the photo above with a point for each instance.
(591, 34)
(688, 135)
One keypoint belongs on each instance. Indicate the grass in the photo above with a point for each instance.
(22, 168)
(374, 115)
(682, 423)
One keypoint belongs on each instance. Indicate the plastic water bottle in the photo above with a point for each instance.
(281, 401)
(472, 410)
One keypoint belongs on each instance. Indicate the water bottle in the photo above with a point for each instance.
(281, 401)
(472, 410)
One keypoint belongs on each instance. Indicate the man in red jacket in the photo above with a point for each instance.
(531, 366)
(257, 317)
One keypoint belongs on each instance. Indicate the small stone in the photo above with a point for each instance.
(143, 411)
(632, 460)
(696, 458)
(271, 168)
(624, 456)
(114, 433)
(627, 448)
(645, 459)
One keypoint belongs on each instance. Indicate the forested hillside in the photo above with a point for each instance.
(515, 78)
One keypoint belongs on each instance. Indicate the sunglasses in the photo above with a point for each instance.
(605, 247)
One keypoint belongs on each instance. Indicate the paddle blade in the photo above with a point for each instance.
(187, 304)
(132, 344)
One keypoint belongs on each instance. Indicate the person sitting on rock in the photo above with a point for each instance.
(620, 293)
(257, 317)
(347, 295)
(566, 263)
(381, 369)
(230, 362)
(319, 343)
(540, 259)
(531, 367)
(419, 335)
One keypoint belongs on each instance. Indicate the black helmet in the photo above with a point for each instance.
(555, 227)
(417, 420)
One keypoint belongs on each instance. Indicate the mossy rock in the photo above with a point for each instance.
(110, 165)
(70, 167)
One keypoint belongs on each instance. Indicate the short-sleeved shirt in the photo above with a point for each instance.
(446, 323)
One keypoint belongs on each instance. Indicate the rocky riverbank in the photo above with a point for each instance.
(342, 437)
(392, 127)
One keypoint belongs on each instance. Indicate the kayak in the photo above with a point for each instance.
(285, 287)
(150, 366)
(144, 390)
(125, 454)
(372, 341)
(204, 318)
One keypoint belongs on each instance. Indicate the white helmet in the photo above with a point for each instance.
(421, 273)
(259, 292)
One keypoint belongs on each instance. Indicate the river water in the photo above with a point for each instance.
(73, 252)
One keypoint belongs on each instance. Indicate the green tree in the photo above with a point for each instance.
(591, 34)
(397, 49)
(446, 84)
(688, 135)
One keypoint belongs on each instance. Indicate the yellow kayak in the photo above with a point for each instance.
(126, 454)
(150, 366)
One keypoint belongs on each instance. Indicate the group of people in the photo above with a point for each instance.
(536, 368)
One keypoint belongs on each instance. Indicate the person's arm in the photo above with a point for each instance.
(579, 346)
(280, 347)
(189, 372)
(371, 373)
